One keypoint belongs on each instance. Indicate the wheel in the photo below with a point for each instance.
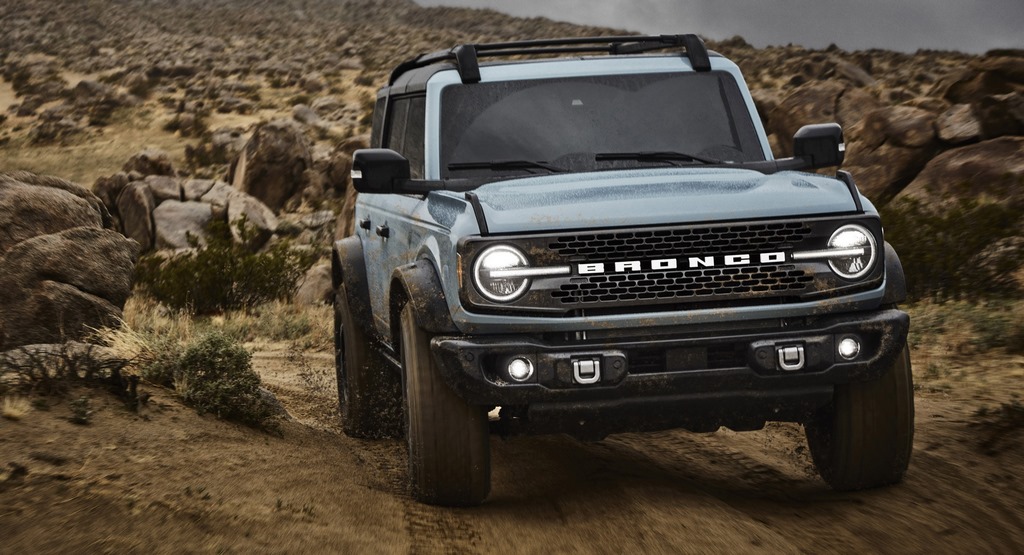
(369, 393)
(865, 437)
(449, 443)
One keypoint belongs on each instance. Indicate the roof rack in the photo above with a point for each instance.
(466, 56)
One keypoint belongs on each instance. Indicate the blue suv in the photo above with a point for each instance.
(603, 242)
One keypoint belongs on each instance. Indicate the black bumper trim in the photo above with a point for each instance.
(470, 365)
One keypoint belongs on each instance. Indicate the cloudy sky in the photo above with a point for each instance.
(907, 25)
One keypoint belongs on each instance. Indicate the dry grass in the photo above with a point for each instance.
(14, 407)
(962, 348)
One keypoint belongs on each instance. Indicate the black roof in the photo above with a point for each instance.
(413, 74)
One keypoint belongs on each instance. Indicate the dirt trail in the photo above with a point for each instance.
(173, 481)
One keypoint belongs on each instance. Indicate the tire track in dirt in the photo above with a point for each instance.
(429, 529)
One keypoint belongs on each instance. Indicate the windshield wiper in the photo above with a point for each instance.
(506, 165)
(657, 156)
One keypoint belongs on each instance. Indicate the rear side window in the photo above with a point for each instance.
(405, 136)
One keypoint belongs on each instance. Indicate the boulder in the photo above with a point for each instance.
(819, 102)
(135, 207)
(985, 76)
(164, 187)
(217, 197)
(194, 189)
(272, 164)
(888, 148)
(32, 205)
(108, 189)
(177, 221)
(315, 287)
(305, 114)
(988, 171)
(260, 221)
(150, 162)
(1001, 115)
(59, 286)
(958, 125)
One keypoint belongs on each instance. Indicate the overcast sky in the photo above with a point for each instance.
(968, 25)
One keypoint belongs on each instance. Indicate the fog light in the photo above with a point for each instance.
(520, 369)
(849, 348)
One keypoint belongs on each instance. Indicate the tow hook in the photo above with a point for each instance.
(586, 371)
(791, 357)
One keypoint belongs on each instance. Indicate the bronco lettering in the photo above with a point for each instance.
(691, 262)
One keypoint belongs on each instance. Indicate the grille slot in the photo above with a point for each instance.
(662, 243)
(720, 283)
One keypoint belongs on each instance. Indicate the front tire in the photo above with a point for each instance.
(369, 393)
(449, 442)
(865, 437)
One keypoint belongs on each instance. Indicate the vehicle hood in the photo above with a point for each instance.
(656, 197)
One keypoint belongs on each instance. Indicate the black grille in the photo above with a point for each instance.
(675, 242)
(749, 281)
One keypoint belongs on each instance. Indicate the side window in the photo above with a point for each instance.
(406, 124)
(394, 138)
(414, 130)
(376, 132)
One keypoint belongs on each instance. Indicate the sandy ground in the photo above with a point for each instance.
(169, 480)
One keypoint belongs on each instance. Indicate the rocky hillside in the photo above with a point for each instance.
(91, 82)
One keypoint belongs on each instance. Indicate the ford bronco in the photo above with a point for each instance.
(591, 236)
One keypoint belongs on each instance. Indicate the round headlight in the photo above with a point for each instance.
(861, 245)
(488, 273)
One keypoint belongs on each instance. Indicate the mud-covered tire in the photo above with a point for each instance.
(865, 437)
(369, 393)
(449, 443)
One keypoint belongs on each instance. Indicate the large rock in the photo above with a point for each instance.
(151, 161)
(958, 125)
(135, 207)
(108, 189)
(32, 205)
(988, 171)
(819, 102)
(164, 187)
(217, 197)
(272, 165)
(888, 149)
(58, 287)
(177, 221)
(260, 221)
(316, 286)
(1001, 114)
(982, 77)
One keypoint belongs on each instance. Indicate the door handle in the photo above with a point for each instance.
(384, 231)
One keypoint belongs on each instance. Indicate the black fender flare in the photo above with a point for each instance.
(419, 285)
(895, 279)
(348, 267)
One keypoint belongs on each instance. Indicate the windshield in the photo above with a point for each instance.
(569, 122)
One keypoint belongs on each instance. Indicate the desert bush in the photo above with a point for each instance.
(1000, 426)
(969, 326)
(54, 369)
(223, 274)
(965, 250)
(14, 407)
(215, 375)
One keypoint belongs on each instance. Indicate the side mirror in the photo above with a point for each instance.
(378, 170)
(820, 145)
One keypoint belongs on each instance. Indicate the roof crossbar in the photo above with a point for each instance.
(467, 56)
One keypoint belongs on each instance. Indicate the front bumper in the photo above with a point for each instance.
(690, 378)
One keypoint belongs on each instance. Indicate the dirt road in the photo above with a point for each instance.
(173, 481)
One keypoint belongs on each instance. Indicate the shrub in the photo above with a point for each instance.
(215, 375)
(965, 250)
(223, 274)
